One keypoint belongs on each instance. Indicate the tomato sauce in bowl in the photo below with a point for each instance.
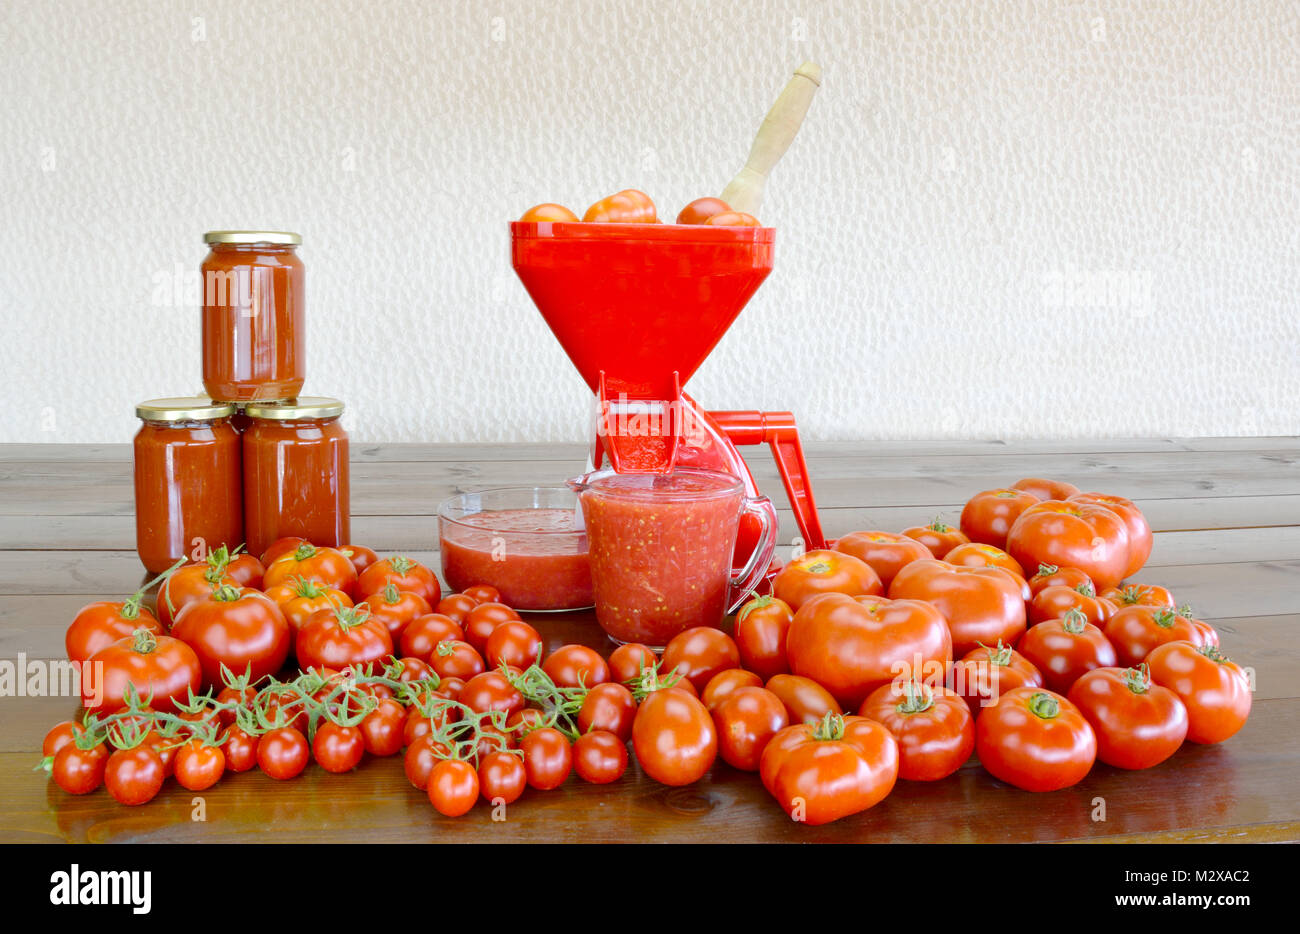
(527, 542)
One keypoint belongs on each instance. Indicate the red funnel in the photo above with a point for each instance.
(637, 307)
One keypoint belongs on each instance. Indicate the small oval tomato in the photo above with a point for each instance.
(283, 753)
(1049, 575)
(1055, 601)
(1139, 531)
(99, 625)
(502, 777)
(599, 757)
(629, 661)
(161, 669)
(699, 653)
(984, 674)
(609, 707)
(328, 567)
(198, 765)
(939, 537)
(628, 206)
(422, 636)
(514, 643)
(396, 609)
(240, 629)
(981, 605)
(402, 573)
(838, 767)
(746, 720)
(701, 209)
(1136, 631)
(79, 771)
(805, 700)
(342, 638)
(453, 787)
(548, 758)
(483, 620)
(886, 552)
(452, 658)
(1035, 740)
(548, 212)
(726, 683)
(932, 725)
(1138, 723)
(1213, 688)
(1140, 595)
(1046, 489)
(337, 748)
(134, 776)
(574, 666)
(1064, 649)
(987, 517)
(1072, 534)
(59, 736)
(674, 737)
(761, 627)
(824, 571)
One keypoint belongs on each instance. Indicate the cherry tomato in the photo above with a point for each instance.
(824, 571)
(981, 605)
(454, 659)
(628, 661)
(1035, 740)
(1046, 489)
(938, 536)
(886, 552)
(548, 758)
(699, 653)
(761, 627)
(491, 690)
(240, 749)
(838, 767)
(609, 707)
(805, 700)
(162, 669)
(1139, 531)
(733, 219)
(502, 777)
(725, 683)
(402, 573)
(328, 567)
(701, 209)
(338, 748)
(134, 776)
(1136, 631)
(629, 206)
(396, 609)
(422, 636)
(674, 737)
(456, 607)
(59, 736)
(483, 620)
(549, 213)
(422, 755)
(283, 753)
(573, 666)
(1138, 723)
(932, 725)
(79, 771)
(515, 643)
(99, 625)
(453, 787)
(987, 517)
(199, 766)
(600, 757)
(1072, 534)
(1213, 688)
(986, 673)
(342, 638)
(241, 629)
(483, 593)
(746, 720)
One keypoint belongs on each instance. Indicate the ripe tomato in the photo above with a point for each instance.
(548, 758)
(98, 625)
(402, 573)
(185, 585)
(746, 720)
(360, 556)
(244, 568)
(699, 653)
(483, 593)
(240, 749)
(1064, 649)
(162, 669)
(396, 609)
(600, 757)
(701, 209)
(851, 647)
(1138, 724)
(1049, 575)
(981, 605)
(984, 674)
(932, 725)
(840, 766)
(1139, 531)
(630, 660)
(338, 748)
(79, 771)
(1035, 740)
(281, 546)
(988, 516)
(979, 555)
(1072, 534)
(241, 629)
(1137, 630)
(515, 643)
(573, 666)
(491, 690)
(939, 537)
(549, 213)
(423, 753)
(805, 700)
(725, 683)
(502, 777)
(674, 737)
(628, 206)
(483, 620)
(1055, 601)
(1046, 489)
(1140, 595)
(609, 707)
(733, 219)
(328, 567)
(824, 571)
(452, 658)
(456, 607)
(1213, 688)
(422, 636)
(283, 753)
(59, 736)
(761, 627)
(134, 776)
(199, 766)
(342, 638)
(886, 552)
(453, 787)
(301, 598)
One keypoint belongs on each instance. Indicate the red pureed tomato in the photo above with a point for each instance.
(932, 725)
(840, 766)
(1035, 740)
(1138, 723)
(240, 629)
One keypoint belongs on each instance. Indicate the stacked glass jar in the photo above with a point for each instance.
(254, 461)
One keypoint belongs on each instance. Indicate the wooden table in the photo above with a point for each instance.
(1227, 515)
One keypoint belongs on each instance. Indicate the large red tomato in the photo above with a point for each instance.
(1065, 649)
(1071, 534)
(981, 605)
(241, 629)
(985, 673)
(933, 726)
(1137, 630)
(1138, 723)
(161, 669)
(187, 584)
(342, 638)
(851, 646)
(1035, 740)
(886, 552)
(404, 574)
(328, 567)
(1140, 538)
(824, 571)
(98, 625)
(1214, 689)
(988, 516)
(939, 537)
(840, 766)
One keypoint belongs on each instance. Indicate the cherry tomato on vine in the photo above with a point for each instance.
(491, 690)
(422, 755)
(198, 766)
(79, 771)
(572, 666)
(422, 636)
(60, 735)
(283, 753)
(455, 607)
(548, 758)
(609, 707)
(453, 787)
(455, 659)
(134, 776)
(628, 661)
(338, 748)
(240, 748)
(599, 757)
(502, 777)
(515, 643)
(482, 621)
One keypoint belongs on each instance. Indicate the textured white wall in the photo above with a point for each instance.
(961, 167)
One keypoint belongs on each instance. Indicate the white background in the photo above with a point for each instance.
(959, 158)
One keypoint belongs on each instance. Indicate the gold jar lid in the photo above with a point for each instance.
(183, 409)
(276, 237)
(295, 409)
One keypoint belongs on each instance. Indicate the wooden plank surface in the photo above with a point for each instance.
(1227, 513)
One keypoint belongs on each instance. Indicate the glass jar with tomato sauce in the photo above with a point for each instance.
(188, 481)
(660, 549)
(296, 473)
(254, 316)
